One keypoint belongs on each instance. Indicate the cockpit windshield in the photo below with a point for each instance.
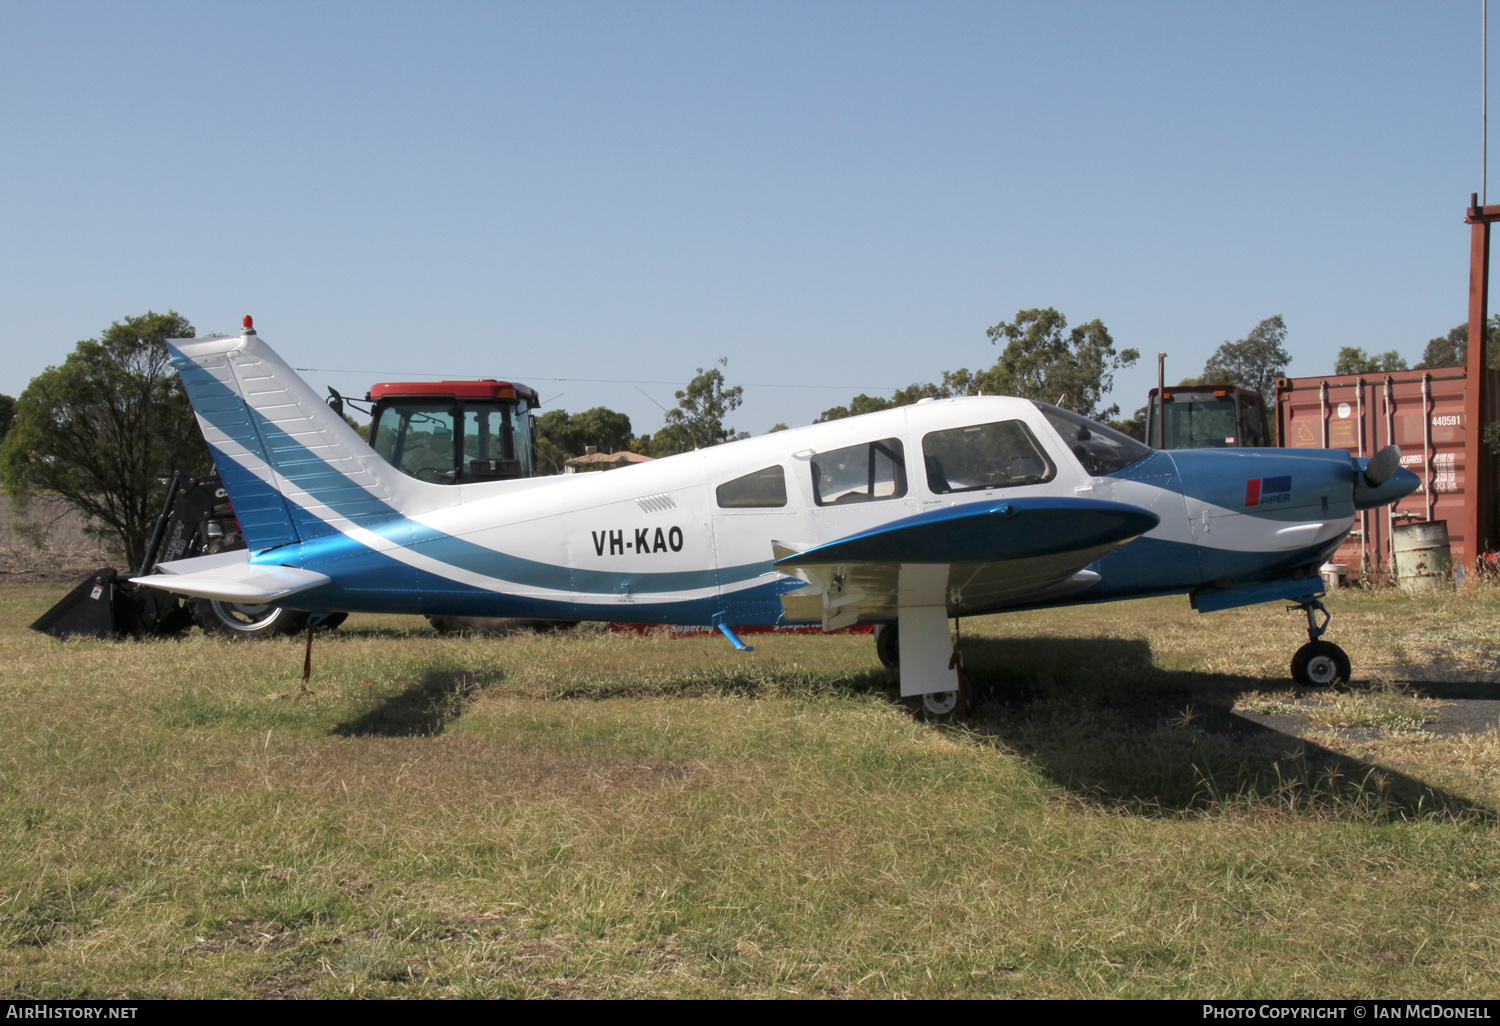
(1101, 450)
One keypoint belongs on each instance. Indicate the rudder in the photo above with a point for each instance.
(294, 470)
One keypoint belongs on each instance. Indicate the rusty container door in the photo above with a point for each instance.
(1423, 413)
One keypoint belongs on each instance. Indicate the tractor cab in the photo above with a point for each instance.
(1207, 417)
(453, 432)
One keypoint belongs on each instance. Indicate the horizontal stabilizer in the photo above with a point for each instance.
(227, 577)
(987, 532)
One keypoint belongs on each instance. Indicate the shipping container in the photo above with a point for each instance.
(1420, 411)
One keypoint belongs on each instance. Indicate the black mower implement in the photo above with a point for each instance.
(195, 520)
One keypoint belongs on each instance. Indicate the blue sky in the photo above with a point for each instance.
(838, 197)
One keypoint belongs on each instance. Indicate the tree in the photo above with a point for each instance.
(1452, 349)
(1353, 360)
(1135, 427)
(1254, 362)
(106, 429)
(959, 382)
(7, 414)
(1074, 370)
(859, 404)
(698, 419)
(561, 436)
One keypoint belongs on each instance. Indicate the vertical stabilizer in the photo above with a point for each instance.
(293, 468)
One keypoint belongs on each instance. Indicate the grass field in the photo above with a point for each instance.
(1142, 808)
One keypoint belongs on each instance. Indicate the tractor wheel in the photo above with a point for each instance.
(245, 620)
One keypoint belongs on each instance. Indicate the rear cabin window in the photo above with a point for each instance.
(1000, 455)
(860, 473)
(764, 489)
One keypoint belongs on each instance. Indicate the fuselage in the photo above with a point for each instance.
(692, 538)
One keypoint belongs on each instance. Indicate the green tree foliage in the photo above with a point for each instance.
(1135, 427)
(561, 436)
(1039, 361)
(7, 414)
(859, 404)
(1452, 349)
(1353, 360)
(1254, 362)
(959, 382)
(697, 421)
(106, 429)
(1074, 370)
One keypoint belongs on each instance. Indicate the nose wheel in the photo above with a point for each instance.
(1319, 663)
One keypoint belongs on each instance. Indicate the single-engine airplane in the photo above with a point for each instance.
(902, 518)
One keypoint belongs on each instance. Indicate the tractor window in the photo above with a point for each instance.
(1255, 423)
(485, 434)
(860, 473)
(417, 440)
(1101, 450)
(521, 430)
(1200, 423)
(763, 489)
(999, 455)
(497, 445)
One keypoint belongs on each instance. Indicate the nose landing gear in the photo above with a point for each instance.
(1319, 663)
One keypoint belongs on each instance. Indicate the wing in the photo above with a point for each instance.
(228, 577)
(968, 559)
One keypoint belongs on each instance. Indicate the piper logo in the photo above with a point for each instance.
(1266, 491)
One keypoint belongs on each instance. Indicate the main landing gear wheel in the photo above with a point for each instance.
(1320, 664)
(887, 646)
(937, 707)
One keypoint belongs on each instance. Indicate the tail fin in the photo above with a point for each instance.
(293, 469)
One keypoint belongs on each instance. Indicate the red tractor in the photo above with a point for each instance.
(1207, 417)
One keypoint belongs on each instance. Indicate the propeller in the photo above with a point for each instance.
(1382, 465)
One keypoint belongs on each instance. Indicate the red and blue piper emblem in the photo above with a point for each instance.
(1265, 491)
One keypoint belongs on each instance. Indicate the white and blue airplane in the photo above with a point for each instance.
(903, 518)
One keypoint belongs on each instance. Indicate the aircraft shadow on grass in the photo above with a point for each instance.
(1099, 718)
(423, 710)
(1094, 715)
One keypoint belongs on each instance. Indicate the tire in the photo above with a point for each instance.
(888, 646)
(243, 620)
(937, 707)
(1320, 664)
(940, 705)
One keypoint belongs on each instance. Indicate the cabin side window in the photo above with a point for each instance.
(1004, 454)
(860, 473)
(764, 489)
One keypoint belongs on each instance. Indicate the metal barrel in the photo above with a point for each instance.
(1424, 561)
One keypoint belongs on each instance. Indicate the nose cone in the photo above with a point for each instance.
(1399, 485)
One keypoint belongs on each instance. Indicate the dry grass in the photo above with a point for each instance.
(1141, 808)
